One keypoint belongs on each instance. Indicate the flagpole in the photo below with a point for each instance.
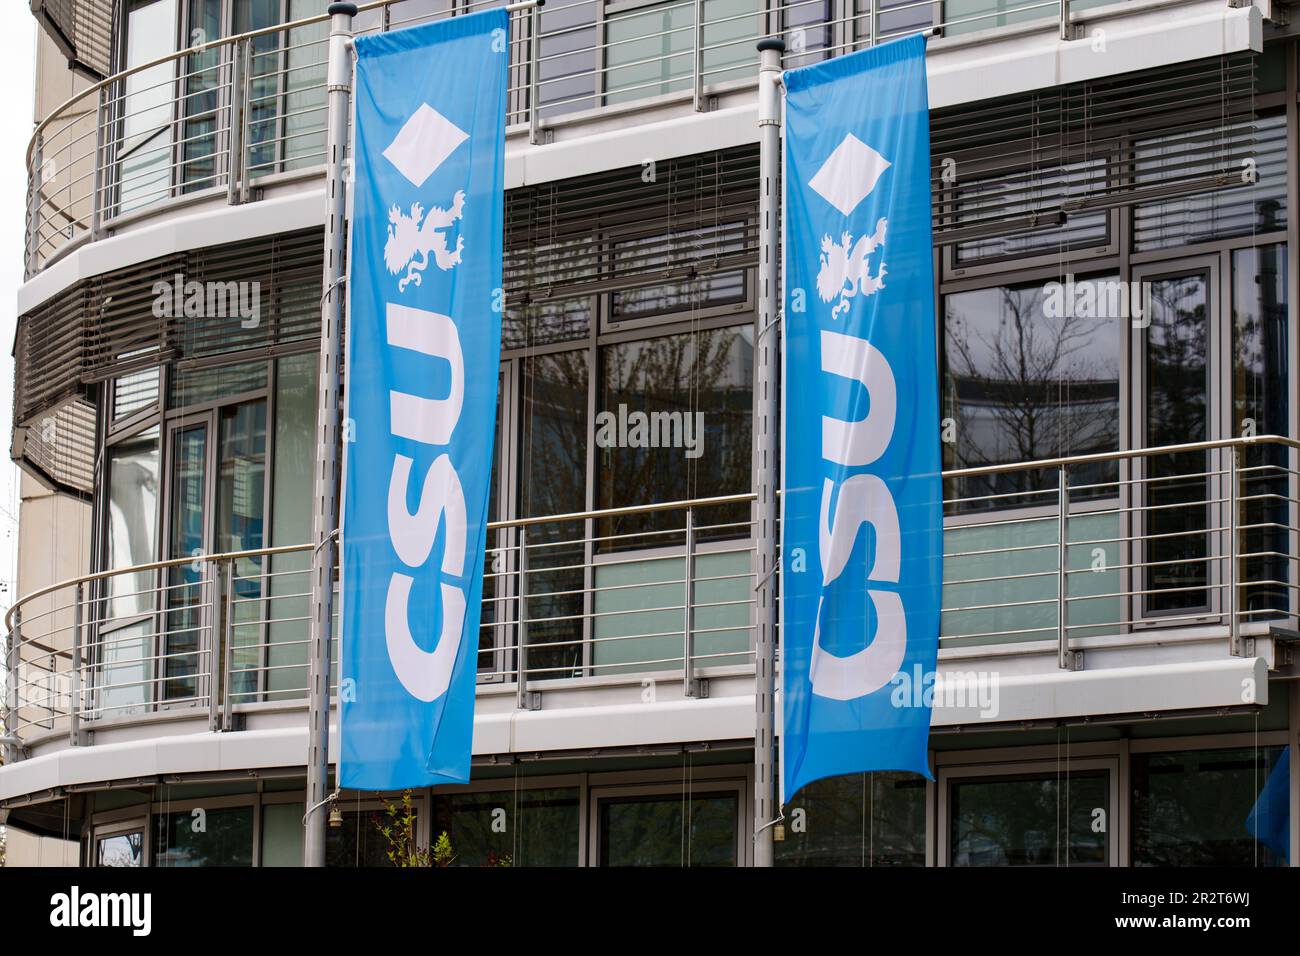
(325, 516)
(766, 446)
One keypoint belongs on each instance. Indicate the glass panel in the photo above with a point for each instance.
(651, 831)
(1261, 406)
(808, 26)
(648, 52)
(553, 471)
(971, 16)
(132, 522)
(1029, 821)
(1211, 808)
(304, 101)
(546, 322)
(568, 52)
(505, 828)
(241, 507)
(134, 392)
(1031, 372)
(200, 385)
(1177, 489)
(185, 588)
(121, 849)
(1021, 193)
(495, 558)
(145, 154)
(124, 682)
(861, 819)
(295, 452)
(674, 424)
(357, 842)
(282, 834)
(408, 13)
(1217, 213)
(221, 837)
(266, 62)
(895, 18)
(202, 84)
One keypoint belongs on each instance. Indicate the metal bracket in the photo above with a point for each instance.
(1074, 660)
(698, 687)
(532, 700)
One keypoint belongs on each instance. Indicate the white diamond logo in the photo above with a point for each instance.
(423, 143)
(849, 174)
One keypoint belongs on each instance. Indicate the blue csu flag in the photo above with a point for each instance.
(862, 527)
(424, 334)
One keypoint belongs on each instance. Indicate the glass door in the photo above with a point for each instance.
(144, 157)
(1175, 494)
(189, 505)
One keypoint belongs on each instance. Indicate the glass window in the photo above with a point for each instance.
(1025, 192)
(132, 521)
(568, 55)
(669, 830)
(1030, 820)
(971, 16)
(187, 538)
(202, 94)
(144, 155)
(196, 386)
(546, 322)
(241, 507)
(807, 26)
(1031, 372)
(508, 828)
(358, 840)
(553, 474)
(1176, 492)
(1219, 212)
(282, 834)
(215, 837)
(861, 819)
(1261, 404)
(674, 423)
(650, 51)
(1211, 808)
(134, 392)
(120, 849)
(291, 517)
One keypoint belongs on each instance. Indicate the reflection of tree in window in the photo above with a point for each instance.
(1024, 384)
(1177, 490)
(554, 469)
(709, 372)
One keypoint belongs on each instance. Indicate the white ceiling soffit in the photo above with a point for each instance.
(961, 698)
(1119, 38)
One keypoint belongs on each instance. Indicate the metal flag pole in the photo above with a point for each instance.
(766, 445)
(325, 516)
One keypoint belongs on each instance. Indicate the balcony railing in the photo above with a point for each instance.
(1042, 555)
(232, 115)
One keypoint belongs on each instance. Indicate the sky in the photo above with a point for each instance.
(17, 60)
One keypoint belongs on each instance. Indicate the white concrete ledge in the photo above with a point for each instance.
(1058, 695)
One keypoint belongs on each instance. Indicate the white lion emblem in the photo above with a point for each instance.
(409, 237)
(845, 271)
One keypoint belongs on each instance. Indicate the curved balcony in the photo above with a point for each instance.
(229, 119)
(1182, 555)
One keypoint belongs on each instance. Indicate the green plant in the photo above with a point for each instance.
(442, 852)
(398, 829)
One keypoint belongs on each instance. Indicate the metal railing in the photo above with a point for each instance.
(224, 117)
(1044, 554)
